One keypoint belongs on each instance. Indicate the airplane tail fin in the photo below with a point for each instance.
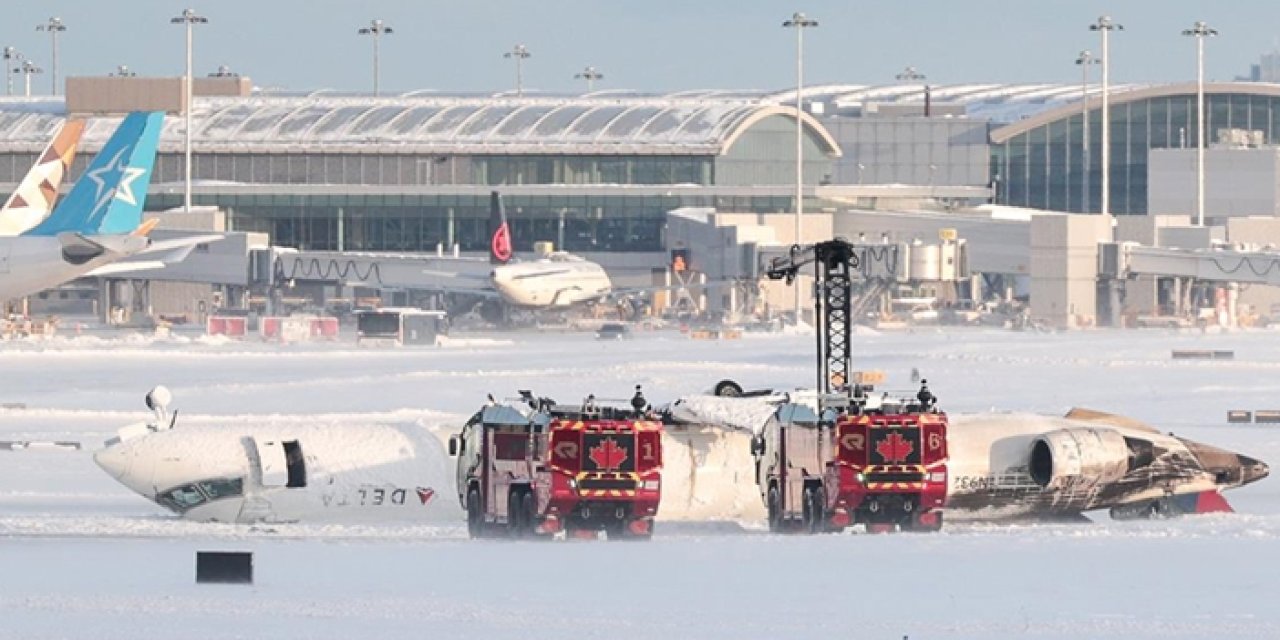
(109, 197)
(499, 231)
(33, 201)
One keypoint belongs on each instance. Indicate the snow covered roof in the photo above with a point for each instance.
(705, 122)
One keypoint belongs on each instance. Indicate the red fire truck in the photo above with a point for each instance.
(881, 464)
(843, 455)
(535, 468)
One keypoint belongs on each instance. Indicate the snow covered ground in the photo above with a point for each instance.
(81, 556)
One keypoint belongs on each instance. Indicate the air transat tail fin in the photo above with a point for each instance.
(109, 197)
(499, 231)
(33, 201)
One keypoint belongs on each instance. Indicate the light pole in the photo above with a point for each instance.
(1200, 30)
(590, 74)
(1105, 25)
(28, 69)
(799, 22)
(519, 52)
(54, 26)
(1085, 60)
(11, 58)
(123, 71)
(189, 19)
(376, 29)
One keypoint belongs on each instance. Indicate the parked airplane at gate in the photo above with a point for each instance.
(98, 223)
(557, 281)
(1008, 466)
(35, 196)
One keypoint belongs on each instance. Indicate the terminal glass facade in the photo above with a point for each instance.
(1044, 167)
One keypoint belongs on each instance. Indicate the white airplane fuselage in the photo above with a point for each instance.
(556, 282)
(286, 473)
(29, 264)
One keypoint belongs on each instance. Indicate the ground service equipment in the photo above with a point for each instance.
(845, 454)
(534, 468)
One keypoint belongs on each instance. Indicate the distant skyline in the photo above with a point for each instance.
(654, 46)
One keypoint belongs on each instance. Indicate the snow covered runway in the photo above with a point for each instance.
(81, 556)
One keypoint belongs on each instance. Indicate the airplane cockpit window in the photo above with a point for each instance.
(182, 498)
(222, 488)
(189, 496)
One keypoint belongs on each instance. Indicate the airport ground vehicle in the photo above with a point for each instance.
(843, 455)
(400, 326)
(535, 468)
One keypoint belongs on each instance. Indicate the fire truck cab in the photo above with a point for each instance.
(867, 459)
(535, 468)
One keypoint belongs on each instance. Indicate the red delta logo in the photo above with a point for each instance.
(501, 243)
(425, 494)
(608, 455)
(894, 448)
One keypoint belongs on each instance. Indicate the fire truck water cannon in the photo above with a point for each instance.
(844, 454)
(531, 467)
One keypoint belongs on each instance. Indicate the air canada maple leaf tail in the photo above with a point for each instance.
(35, 196)
(109, 197)
(499, 231)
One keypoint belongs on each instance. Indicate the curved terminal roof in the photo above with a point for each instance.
(687, 123)
(703, 122)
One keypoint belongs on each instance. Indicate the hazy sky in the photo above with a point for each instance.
(650, 45)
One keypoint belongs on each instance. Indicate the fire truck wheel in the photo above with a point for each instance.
(914, 524)
(527, 512)
(475, 515)
(815, 509)
(774, 504)
(515, 515)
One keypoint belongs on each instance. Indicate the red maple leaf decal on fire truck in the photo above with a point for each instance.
(608, 455)
(894, 448)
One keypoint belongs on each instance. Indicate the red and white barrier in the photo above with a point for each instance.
(298, 328)
(230, 326)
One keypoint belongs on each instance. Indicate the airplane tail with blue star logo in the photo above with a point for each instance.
(109, 196)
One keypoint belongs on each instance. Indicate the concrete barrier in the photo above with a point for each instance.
(24, 445)
(1203, 354)
(1239, 416)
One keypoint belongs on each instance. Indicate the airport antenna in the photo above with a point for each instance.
(377, 29)
(1200, 30)
(11, 58)
(590, 74)
(519, 53)
(54, 26)
(799, 22)
(188, 19)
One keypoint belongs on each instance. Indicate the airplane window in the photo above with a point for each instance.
(182, 498)
(223, 487)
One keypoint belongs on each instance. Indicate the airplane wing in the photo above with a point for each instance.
(126, 267)
(188, 242)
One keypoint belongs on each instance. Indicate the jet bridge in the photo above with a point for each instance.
(441, 273)
(1121, 260)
